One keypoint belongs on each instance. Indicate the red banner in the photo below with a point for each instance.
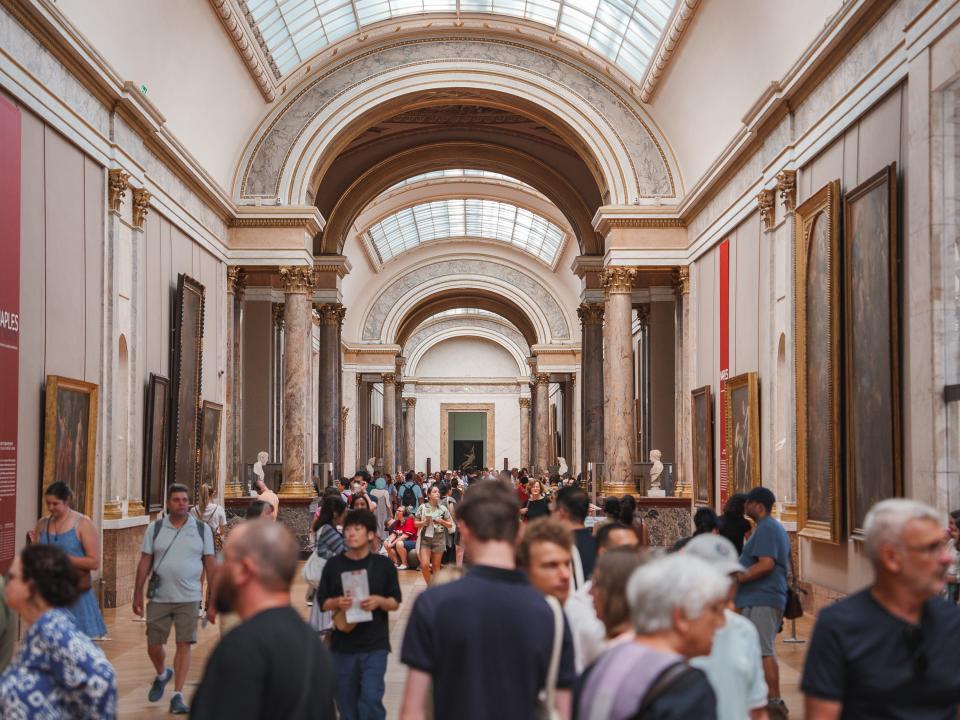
(724, 363)
(9, 325)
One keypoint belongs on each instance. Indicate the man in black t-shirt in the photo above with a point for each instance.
(889, 651)
(360, 650)
(273, 664)
(573, 504)
(485, 640)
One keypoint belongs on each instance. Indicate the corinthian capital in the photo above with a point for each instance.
(141, 206)
(236, 280)
(297, 279)
(681, 281)
(617, 279)
(590, 313)
(116, 188)
(787, 187)
(524, 402)
(541, 378)
(766, 205)
(389, 378)
(330, 313)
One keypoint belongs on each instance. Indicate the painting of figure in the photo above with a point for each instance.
(210, 443)
(703, 445)
(70, 432)
(155, 442)
(467, 454)
(187, 367)
(873, 438)
(743, 432)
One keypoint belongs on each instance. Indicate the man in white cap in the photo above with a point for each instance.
(734, 666)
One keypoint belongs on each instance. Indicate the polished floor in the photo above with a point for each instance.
(126, 648)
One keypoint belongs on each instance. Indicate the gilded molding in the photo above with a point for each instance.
(260, 222)
(541, 378)
(259, 70)
(117, 187)
(617, 279)
(297, 279)
(666, 48)
(330, 313)
(765, 202)
(590, 313)
(236, 280)
(525, 402)
(681, 281)
(141, 207)
(787, 187)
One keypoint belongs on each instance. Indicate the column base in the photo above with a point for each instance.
(618, 489)
(295, 490)
(112, 511)
(683, 490)
(234, 490)
(135, 508)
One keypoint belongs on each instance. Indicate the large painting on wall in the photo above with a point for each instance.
(741, 403)
(155, 442)
(186, 361)
(468, 454)
(702, 446)
(70, 438)
(870, 329)
(817, 355)
(210, 443)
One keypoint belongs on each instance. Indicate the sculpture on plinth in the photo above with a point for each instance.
(655, 472)
(262, 458)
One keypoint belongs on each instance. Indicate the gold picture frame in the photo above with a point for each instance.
(816, 263)
(210, 420)
(701, 418)
(871, 329)
(70, 438)
(741, 407)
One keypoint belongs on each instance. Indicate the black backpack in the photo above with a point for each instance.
(408, 498)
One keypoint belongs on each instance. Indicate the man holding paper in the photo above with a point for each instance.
(360, 589)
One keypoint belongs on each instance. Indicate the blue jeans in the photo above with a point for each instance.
(360, 684)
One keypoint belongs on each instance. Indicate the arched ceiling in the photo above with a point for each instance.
(457, 299)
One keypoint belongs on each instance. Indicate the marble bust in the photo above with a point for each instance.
(656, 471)
(262, 458)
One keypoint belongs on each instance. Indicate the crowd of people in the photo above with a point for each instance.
(538, 605)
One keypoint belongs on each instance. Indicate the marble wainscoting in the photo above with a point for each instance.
(667, 519)
(294, 513)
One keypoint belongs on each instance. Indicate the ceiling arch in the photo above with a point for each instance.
(418, 350)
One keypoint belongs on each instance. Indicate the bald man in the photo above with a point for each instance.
(273, 664)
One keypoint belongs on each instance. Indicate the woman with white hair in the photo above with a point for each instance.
(676, 605)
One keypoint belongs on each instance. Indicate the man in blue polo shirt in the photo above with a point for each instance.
(762, 594)
(485, 641)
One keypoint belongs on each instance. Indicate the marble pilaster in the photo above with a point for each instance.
(328, 400)
(683, 469)
(389, 423)
(409, 435)
(297, 285)
(541, 432)
(401, 442)
(235, 485)
(591, 414)
(525, 432)
(618, 420)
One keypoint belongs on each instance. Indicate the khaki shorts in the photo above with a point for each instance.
(767, 621)
(436, 544)
(182, 616)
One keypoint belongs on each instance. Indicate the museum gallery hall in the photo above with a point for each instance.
(275, 241)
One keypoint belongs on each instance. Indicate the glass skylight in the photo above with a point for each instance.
(468, 218)
(463, 311)
(458, 173)
(624, 31)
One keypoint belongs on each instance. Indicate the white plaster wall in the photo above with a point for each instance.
(506, 426)
(468, 357)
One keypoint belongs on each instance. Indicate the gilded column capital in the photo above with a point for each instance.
(389, 378)
(236, 280)
(116, 188)
(277, 314)
(681, 281)
(617, 279)
(590, 313)
(525, 403)
(141, 206)
(400, 385)
(787, 187)
(297, 279)
(330, 313)
(410, 402)
(643, 315)
(765, 202)
(541, 378)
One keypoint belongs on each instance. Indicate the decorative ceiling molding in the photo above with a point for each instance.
(290, 216)
(248, 47)
(682, 15)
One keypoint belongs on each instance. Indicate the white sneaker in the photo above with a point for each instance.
(401, 567)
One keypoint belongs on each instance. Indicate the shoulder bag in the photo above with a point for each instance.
(547, 701)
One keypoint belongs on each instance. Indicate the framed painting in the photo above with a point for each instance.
(872, 368)
(156, 427)
(702, 439)
(187, 363)
(70, 438)
(816, 260)
(210, 443)
(741, 406)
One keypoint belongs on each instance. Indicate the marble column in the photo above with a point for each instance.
(409, 435)
(297, 286)
(235, 485)
(524, 432)
(643, 384)
(683, 472)
(591, 413)
(328, 401)
(389, 423)
(401, 442)
(618, 421)
(541, 432)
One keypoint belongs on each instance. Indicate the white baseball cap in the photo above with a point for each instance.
(716, 550)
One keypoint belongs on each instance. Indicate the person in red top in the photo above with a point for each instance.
(402, 538)
(522, 491)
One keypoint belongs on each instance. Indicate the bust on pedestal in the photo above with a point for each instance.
(262, 458)
(655, 472)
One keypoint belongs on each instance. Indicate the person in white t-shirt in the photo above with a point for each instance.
(734, 666)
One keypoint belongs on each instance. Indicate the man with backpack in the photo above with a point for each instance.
(410, 492)
(176, 549)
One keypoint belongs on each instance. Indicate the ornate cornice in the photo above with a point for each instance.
(618, 279)
(590, 313)
(525, 402)
(236, 280)
(330, 313)
(141, 207)
(306, 218)
(787, 187)
(236, 29)
(765, 202)
(667, 46)
(116, 188)
(338, 264)
(541, 378)
(681, 281)
(297, 279)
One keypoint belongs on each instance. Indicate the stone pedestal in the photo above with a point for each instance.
(118, 568)
(298, 283)
(667, 519)
(409, 436)
(591, 413)
(541, 433)
(389, 423)
(294, 513)
(618, 421)
(525, 432)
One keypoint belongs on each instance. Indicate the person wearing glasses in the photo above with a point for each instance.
(889, 651)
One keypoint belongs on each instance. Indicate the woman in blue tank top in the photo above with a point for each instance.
(75, 534)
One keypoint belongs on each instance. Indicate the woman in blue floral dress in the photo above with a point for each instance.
(58, 672)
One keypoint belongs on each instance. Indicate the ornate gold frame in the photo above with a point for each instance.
(446, 408)
(186, 330)
(703, 394)
(750, 381)
(886, 176)
(153, 476)
(825, 202)
(55, 383)
(218, 409)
